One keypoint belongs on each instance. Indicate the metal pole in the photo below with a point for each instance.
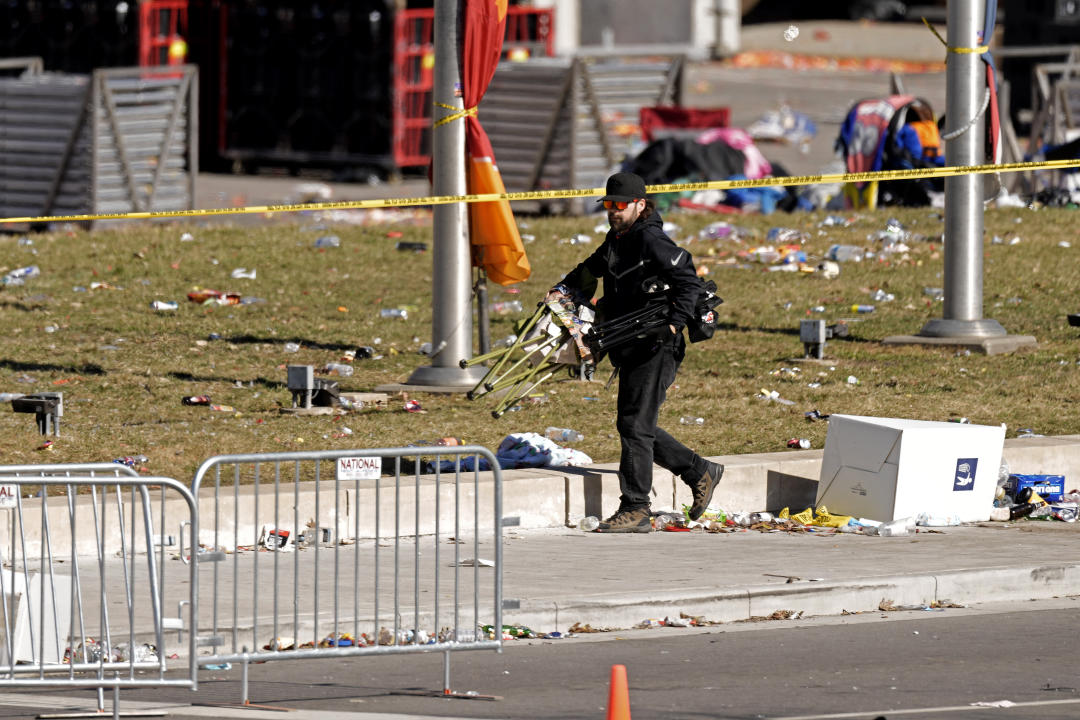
(962, 314)
(728, 22)
(451, 324)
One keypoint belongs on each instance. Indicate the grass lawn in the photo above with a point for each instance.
(85, 326)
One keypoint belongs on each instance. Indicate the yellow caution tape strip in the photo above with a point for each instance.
(822, 179)
(458, 114)
(961, 50)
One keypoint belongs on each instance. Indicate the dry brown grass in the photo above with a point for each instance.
(124, 367)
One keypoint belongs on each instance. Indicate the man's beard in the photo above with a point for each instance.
(618, 224)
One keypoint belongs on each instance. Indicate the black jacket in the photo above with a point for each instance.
(629, 261)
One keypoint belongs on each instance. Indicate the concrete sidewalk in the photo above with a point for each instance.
(618, 581)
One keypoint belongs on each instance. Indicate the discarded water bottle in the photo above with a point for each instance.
(589, 523)
(505, 342)
(21, 275)
(394, 313)
(339, 369)
(845, 253)
(563, 434)
(929, 520)
(195, 400)
(895, 528)
(291, 347)
(862, 309)
(691, 420)
(9, 396)
(505, 307)
(328, 241)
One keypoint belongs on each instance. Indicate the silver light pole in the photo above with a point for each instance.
(962, 322)
(451, 325)
(963, 193)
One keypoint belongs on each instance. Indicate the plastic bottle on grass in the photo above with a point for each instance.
(563, 435)
(394, 313)
(691, 420)
(845, 253)
(339, 369)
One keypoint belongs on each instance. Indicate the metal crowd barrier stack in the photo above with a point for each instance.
(83, 591)
(307, 555)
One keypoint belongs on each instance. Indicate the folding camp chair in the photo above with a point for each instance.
(558, 335)
(552, 338)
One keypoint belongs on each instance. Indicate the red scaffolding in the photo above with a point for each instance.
(529, 31)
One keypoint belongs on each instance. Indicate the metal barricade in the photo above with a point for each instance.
(81, 585)
(299, 563)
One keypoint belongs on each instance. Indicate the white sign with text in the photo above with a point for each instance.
(359, 468)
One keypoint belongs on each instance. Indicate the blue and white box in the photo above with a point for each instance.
(890, 468)
(1048, 487)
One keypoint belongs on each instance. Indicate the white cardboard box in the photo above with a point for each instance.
(888, 468)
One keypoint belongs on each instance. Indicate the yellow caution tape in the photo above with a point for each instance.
(821, 179)
(458, 114)
(961, 50)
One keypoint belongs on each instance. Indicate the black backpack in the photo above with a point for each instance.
(704, 323)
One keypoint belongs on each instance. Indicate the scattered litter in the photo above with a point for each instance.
(845, 253)
(476, 562)
(505, 307)
(132, 461)
(243, 274)
(21, 275)
(206, 296)
(164, 305)
(328, 241)
(791, 33)
(774, 396)
(578, 628)
(994, 703)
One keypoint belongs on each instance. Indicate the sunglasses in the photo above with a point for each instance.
(617, 204)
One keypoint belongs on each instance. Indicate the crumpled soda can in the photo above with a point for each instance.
(799, 443)
(413, 406)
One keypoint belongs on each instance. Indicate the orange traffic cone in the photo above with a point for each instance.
(618, 706)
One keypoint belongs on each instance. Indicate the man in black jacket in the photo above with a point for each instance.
(640, 265)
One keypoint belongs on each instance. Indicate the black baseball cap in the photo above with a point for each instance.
(624, 186)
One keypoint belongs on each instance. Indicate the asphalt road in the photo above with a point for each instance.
(962, 663)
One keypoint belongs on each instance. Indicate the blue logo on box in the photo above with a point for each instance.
(964, 479)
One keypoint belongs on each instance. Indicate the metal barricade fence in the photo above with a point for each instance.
(297, 563)
(82, 591)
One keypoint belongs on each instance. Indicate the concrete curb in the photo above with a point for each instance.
(964, 587)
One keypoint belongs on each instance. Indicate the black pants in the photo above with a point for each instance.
(644, 377)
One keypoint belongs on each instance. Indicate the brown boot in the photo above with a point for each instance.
(628, 521)
(702, 489)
